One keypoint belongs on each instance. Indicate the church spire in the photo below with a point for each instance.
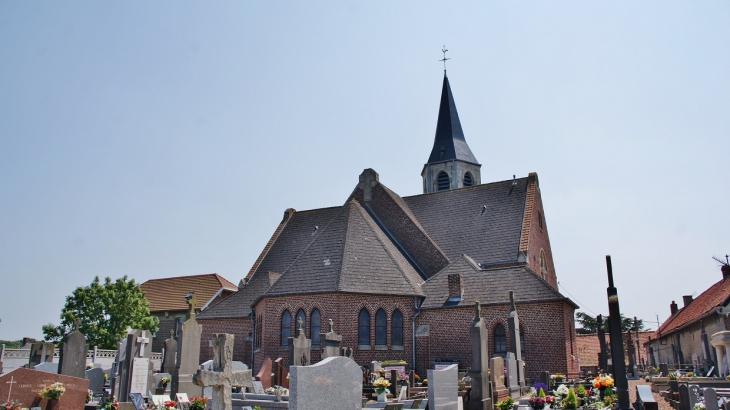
(451, 163)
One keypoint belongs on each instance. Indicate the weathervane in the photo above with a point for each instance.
(444, 50)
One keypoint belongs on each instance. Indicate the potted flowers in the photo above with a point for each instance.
(164, 381)
(198, 403)
(381, 387)
(108, 403)
(562, 391)
(536, 403)
(602, 382)
(53, 393)
(570, 401)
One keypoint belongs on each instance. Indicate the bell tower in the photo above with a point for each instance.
(451, 164)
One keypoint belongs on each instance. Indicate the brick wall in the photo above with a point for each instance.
(546, 335)
(538, 237)
(343, 309)
(166, 324)
(588, 347)
(240, 327)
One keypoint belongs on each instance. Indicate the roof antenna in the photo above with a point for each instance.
(444, 50)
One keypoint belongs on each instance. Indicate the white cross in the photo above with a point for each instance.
(11, 382)
(142, 340)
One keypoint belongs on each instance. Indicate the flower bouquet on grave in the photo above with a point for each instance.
(12, 405)
(562, 391)
(381, 385)
(603, 382)
(108, 403)
(198, 403)
(53, 391)
(169, 405)
(537, 403)
(505, 404)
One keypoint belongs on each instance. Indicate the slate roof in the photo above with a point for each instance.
(239, 303)
(449, 143)
(351, 254)
(454, 219)
(487, 286)
(168, 294)
(716, 295)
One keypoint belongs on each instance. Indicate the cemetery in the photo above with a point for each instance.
(179, 379)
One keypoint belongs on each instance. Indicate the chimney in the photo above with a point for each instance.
(687, 299)
(673, 308)
(725, 269)
(455, 285)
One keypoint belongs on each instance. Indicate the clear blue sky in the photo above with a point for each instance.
(156, 139)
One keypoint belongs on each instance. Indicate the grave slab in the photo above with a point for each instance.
(335, 382)
(22, 385)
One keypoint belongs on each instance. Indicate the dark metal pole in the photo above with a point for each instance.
(617, 342)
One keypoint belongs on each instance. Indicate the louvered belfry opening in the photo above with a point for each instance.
(467, 179)
(443, 181)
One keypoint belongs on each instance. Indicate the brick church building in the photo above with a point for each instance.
(399, 276)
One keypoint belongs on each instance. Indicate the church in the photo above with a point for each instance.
(399, 276)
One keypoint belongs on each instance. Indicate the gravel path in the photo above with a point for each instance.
(663, 404)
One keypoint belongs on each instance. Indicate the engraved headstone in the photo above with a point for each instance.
(280, 373)
(22, 385)
(335, 382)
(514, 329)
(222, 378)
(73, 349)
(169, 354)
(497, 378)
(136, 371)
(188, 354)
(480, 396)
(443, 388)
(300, 348)
(512, 378)
(685, 402)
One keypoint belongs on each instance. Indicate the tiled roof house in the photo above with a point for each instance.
(399, 276)
(167, 299)
(684, 338)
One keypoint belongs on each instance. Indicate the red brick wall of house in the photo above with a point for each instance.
(343, 309)
(588, 347)
(539, 239)
(545, 327)
(240, 327)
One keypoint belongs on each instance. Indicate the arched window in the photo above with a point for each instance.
(315, 327)
(396, 329)
(443, 181)
(285, 327)
(467, 179)
(381, 328)
(303, 317)
(363, 328)
(522, 342)
(543, 264)
(500, 341)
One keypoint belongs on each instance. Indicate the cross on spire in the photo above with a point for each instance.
(444, 50)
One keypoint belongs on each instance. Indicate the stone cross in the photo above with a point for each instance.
(191, 306)
(11, 383)
(222, 378)
(142, 340)
(301, 325)
(332, 326)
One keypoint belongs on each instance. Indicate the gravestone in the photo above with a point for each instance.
(119, 364)
(545, 378)
(480, 396)
(73, 350)
(136, 370)
(22, 385)
(631, 352)
(300, 348)
(188, 354)
(40, 352)
(280, 373)
(264, 374)
(169, 354)
(710, 399)
(222, 378)
(47, 367)
(514, 329)
(694, 395)
(330, 342)
(257, 387)
(95, 377)
(685, 402)
(664, 369)
(603, 350)
(443, 388)
(497, 379)
(335, 382)
(512, 378)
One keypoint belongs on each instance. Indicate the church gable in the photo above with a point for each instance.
(351, 254)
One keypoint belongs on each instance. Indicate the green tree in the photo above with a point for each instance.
(589, 324)
(105, 311)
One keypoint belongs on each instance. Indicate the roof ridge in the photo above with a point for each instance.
(482, 186)
(180, 276)
(223, 281)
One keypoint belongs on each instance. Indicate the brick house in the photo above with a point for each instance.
(589, 347)
(167, 300)
(399, 276)
(684, 338)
